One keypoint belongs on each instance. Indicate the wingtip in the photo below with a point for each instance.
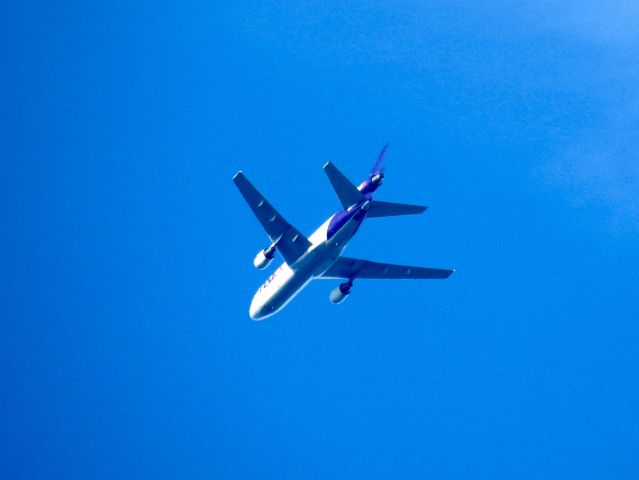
(326, 165)
(239, 173)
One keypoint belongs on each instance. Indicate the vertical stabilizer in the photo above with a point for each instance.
(377, 168)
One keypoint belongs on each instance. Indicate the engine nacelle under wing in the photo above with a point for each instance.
(339, 293)
(264, 258)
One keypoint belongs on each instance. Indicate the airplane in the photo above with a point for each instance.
(320, 255)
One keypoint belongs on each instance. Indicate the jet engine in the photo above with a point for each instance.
(264, 258)
(378, 178)
(339, 294)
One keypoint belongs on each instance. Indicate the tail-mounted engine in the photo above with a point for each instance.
(339, 294)
(264, 257)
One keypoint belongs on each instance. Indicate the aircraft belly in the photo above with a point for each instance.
(287, 291)
(331, 254)
(313, 265)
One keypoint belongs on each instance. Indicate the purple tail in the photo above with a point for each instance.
(378, 164)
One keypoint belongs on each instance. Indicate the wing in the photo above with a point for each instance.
(346, 192)
(352, 268)
(288, 240)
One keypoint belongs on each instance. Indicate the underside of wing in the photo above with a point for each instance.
(352, 268)
(288, 240)
(346, 192)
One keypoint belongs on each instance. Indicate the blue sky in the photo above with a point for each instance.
(126, 348)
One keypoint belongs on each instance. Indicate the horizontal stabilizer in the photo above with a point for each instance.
(389, 209)
(346, 192)
(288, 240)
(352, 268)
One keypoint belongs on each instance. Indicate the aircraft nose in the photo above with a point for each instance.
(255, 312)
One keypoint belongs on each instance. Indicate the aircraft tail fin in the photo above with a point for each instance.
(378, 168)
(389, 209)
(347, 193)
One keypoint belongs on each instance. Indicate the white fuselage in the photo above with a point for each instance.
(289, 280)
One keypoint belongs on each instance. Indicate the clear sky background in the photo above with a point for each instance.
(126, 350)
